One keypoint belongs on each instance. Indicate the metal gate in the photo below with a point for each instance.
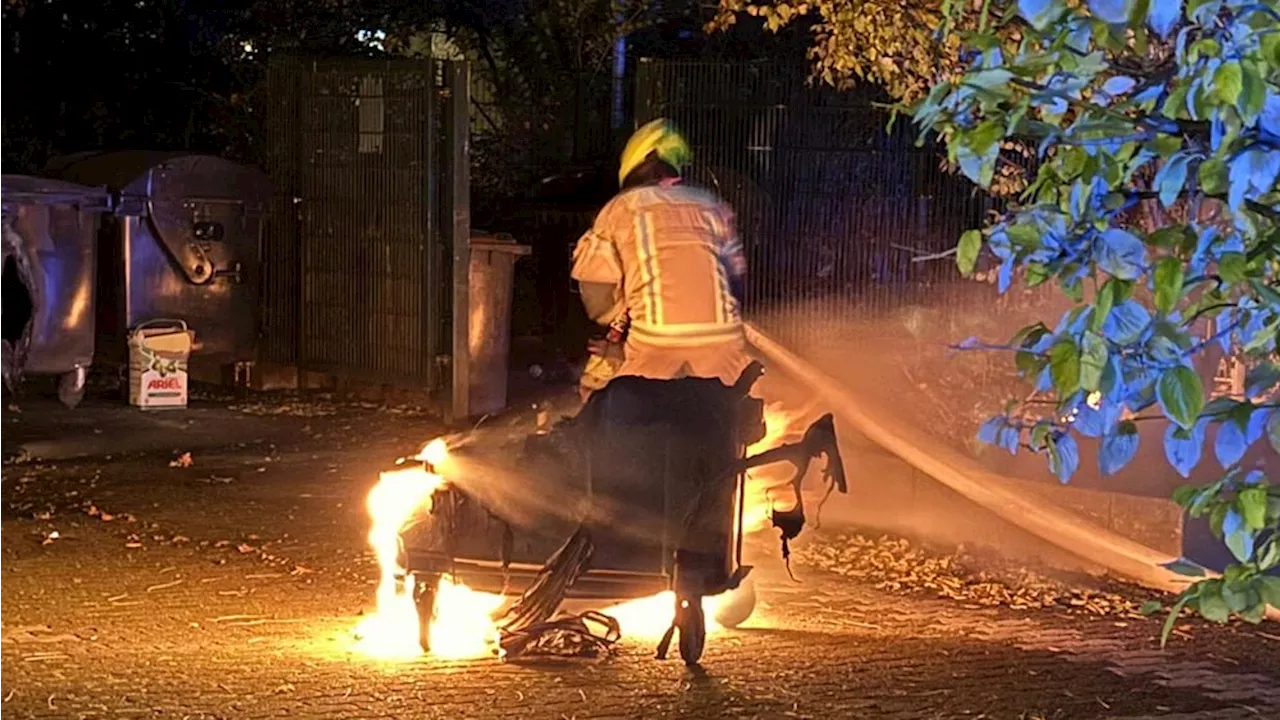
(357, 262)
(834, 211)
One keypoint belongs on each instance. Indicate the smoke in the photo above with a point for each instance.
(538, 495)
(900, 366)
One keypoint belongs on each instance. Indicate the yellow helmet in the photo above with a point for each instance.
(655, 136)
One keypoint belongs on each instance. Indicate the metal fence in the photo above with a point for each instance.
(834, 209)
(357, 262)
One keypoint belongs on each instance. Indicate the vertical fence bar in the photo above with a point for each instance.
(435, 300)
(833, 209)
(353, 269)
(458, 213)
(280, 264)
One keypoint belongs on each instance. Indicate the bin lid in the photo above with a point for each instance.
(499, 243)
(142, 177)
(28, 190)
(116, 169)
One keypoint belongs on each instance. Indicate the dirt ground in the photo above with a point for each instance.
(138, 584)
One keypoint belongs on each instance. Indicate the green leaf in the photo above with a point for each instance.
(1228, 82)
(967, 251)
(1253, 94)
(1171, 178)
(1265, 291)
(1269, 588)
(979, 168)
(1217, 514)
(1073, 288)
(1204, 47)
(1252, 504)
(1181, 394)
(1029, 364)
(1213, 176)
(1271, 48)
(1212, 605)
(1039, 436)
(1184, 495)
(1169, 621)
(1266, 335)
(1269, 555)
(1255, 612)
(1238, 594)
(1071, 162)
(1175, 106)
(1103, 303)
(1093, 360)
(1151, 607)
(1166, 145)
(988, 79)
(1064, 366)
(1169, 236)
(1231, 266)
(1168, 278)
(986, 135)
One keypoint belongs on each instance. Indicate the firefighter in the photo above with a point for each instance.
(665, 256)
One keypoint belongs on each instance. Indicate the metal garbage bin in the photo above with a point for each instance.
(184, 245)
(50, 262)
(491, 277)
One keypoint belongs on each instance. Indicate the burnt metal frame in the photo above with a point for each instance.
(819, 439)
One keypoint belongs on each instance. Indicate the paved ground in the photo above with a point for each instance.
(229, 589)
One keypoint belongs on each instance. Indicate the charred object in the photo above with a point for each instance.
(696, 552)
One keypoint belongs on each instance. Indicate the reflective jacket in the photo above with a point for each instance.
(672, 251)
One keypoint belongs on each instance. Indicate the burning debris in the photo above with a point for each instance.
(895, 565)
(466, 623)
(453, 535)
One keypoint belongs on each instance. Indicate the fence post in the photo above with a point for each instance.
(457, 127)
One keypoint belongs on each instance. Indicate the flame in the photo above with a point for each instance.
(462, 626)
(779, 424)
(649, 617)
(434, 452)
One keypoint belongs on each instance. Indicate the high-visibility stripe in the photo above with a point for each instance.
(685, 334)
(713, 227)
(650, 268)
(595, 259)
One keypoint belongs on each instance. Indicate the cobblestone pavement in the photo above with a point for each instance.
(228, 589)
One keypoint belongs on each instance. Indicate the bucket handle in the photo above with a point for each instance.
(162, 322)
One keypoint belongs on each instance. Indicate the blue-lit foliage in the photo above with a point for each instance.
(1155, 207)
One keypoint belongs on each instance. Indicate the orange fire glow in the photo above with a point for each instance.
(649, 617)
(779, 425)
(463, 626)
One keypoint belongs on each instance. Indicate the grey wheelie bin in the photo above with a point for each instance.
(50, 265)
